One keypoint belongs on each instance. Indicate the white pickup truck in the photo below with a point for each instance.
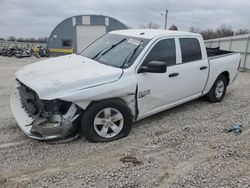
(122, 77)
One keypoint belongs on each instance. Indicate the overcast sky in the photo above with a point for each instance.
(31, 18)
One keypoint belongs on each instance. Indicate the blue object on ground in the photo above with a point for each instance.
(235, 129)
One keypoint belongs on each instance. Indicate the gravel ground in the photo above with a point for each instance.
(182, 147)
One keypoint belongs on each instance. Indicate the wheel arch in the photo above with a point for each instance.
(129, 101)
(227, 76)
(107, 99)
(215, 94)
(212, 79)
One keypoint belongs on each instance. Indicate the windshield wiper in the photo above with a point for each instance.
(99, 53)
(133, 53)
(105, 50)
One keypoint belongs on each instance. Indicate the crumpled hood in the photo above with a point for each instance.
(54, 77)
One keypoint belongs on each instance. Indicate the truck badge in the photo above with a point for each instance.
(143, 93)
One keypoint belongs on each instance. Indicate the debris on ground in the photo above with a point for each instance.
(5, 183)
(2, 180)
(131, 159)
(234, 128)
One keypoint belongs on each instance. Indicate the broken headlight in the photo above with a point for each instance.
(53, 107)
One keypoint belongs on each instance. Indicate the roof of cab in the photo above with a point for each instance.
(151, 33)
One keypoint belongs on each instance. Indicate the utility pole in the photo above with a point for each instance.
(166, 19)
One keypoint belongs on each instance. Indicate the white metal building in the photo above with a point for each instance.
(75, 33)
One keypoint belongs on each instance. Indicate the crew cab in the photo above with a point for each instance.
(122, 77)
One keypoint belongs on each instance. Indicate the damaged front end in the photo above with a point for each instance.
(43, 119)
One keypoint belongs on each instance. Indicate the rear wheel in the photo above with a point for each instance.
(217, 92)
(106, 121)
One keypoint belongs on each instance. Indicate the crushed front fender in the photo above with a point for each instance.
(58, 126)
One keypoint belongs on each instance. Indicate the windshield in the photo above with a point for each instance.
(115, 50)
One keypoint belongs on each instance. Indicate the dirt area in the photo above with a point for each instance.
(182, 147)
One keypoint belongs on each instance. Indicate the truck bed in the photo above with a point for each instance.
(216, 52)
(222, 61)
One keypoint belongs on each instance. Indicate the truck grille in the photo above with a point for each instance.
(29, 99)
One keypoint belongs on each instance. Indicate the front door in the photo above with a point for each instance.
(183, 79)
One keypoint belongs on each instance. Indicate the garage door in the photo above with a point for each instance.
(85, 35)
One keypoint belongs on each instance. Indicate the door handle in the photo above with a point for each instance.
(203, 67)
(173, 74)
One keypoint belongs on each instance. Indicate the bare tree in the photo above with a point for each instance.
(20, 39)
(173, 27)
(11, 38)
(242, 31)
(33, 40)
(43, 39)
(195, 30)
(224, 31)
(208, 34)
(150, 25)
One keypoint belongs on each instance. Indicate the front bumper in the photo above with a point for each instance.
(36, 128)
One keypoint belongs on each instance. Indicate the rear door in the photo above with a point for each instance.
(193, 69)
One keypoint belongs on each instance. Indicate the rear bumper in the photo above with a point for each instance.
(32, 128)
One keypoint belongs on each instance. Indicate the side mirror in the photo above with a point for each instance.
(154, 67)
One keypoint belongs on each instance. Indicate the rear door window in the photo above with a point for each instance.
(164, 51)
(190, 49)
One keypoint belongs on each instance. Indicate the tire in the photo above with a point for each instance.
(218, 90)
(100, 118)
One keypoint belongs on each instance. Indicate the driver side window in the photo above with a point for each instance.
(164, 51)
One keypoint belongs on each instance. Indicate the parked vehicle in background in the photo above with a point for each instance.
(122, 77)
(43, 52)
(24, 52)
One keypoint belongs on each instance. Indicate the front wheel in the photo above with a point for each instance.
(106, 121)
(218, 90)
